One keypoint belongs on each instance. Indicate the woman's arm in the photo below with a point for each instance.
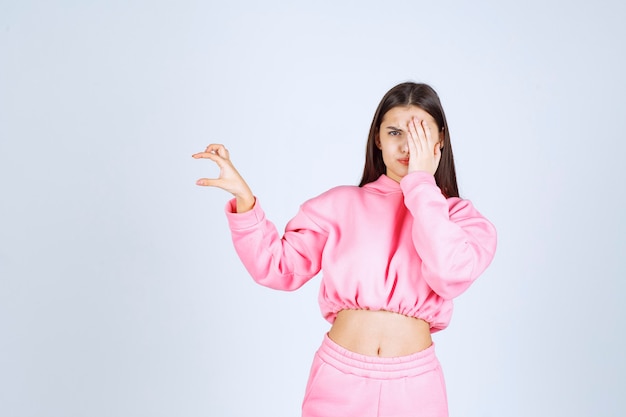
(455, 242)
(281, 262)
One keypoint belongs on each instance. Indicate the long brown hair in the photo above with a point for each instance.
(426, 98)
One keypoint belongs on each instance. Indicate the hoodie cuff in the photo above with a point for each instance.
(250, 218)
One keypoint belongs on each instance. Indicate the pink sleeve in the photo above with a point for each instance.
(455, 242)
(282, 263)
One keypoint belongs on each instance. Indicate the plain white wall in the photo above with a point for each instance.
(120, 292)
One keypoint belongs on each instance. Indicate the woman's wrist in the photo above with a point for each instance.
(245, 202)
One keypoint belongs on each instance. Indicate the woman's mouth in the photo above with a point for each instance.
(404, 161)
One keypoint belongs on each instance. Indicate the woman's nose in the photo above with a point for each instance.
(405, 146)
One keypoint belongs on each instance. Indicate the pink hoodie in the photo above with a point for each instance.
(401, 247)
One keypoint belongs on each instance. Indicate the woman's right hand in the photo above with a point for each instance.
(424, 146)
(229, 179)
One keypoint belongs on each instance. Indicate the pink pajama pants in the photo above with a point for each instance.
(346, 384)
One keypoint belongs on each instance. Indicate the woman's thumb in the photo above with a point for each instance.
(207, 182)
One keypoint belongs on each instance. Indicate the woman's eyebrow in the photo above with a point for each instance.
(393, 128)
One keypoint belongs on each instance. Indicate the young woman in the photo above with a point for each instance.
(393, 252)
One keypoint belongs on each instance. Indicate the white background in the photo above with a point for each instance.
(120, 292)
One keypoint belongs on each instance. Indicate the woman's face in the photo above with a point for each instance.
(392, 138)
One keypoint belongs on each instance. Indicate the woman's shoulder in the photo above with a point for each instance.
(333, 198)
(339, 192)
(461, 208)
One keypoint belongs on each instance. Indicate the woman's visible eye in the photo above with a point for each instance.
(394, 133)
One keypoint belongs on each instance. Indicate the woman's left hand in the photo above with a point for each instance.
(424, 147)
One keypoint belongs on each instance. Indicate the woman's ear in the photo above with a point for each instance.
(442, 136)
(377, 141)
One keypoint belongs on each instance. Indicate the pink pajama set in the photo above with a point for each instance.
(400, 247)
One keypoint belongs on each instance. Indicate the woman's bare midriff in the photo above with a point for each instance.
(380, 333)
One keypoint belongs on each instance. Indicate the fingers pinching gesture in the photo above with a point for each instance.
(229, 179)
(425, 144)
